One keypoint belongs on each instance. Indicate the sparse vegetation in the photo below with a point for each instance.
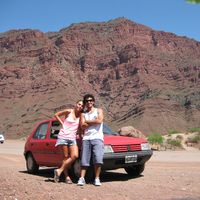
(179, 137)
(196, 129)
(155, 138)
(175, 143)
(175, 140)
(172, 131)
(194, 139)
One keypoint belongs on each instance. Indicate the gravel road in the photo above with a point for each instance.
(169, 175)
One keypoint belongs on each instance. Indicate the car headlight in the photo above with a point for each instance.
(145, 146)
(108, 149)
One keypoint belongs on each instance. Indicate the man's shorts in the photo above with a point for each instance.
(92, 148)
(67, 142)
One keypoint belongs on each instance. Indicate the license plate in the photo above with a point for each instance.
(131, 159)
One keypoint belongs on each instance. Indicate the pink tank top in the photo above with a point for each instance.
(70, 127)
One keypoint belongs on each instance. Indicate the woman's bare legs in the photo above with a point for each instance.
(73, 152)
(70, 154)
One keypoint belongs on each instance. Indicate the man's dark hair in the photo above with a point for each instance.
(87, 96)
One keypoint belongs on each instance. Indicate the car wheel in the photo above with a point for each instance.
(135, 170)
(31, 165)
(75, 171)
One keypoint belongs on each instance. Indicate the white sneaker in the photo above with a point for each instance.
(97, 182)
(81, 181)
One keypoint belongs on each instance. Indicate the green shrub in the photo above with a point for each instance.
(155, 138)
(171, 131)
(196, 129)
(194, 139)
(176, 143)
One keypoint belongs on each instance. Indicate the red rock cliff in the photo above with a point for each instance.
(141, 77)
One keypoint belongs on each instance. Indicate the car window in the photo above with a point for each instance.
(41, 131)
(108, 131)
(55, 128)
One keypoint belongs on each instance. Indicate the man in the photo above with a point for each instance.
(92, 143)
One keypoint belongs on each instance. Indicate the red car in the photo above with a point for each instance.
(119, 151)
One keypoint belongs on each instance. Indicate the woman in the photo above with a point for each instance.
(67, 139)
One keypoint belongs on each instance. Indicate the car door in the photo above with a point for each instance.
(39, 143)
(43, 144)
(54, 155)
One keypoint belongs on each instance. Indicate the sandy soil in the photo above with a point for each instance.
(169, 175)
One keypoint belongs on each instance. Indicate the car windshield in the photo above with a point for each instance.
(56, 127)
(107, 130)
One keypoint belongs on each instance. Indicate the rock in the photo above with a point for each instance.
(131, 132)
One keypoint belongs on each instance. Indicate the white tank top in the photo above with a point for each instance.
(94, 131)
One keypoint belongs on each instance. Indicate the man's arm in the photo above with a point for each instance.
(98, 120)
(83, 124)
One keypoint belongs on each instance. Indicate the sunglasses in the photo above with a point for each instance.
(89, 100)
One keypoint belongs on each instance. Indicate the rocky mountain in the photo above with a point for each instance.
(140, 77)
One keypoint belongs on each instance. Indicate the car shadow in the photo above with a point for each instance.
(46, 173)
(106, 176)
(110, 176)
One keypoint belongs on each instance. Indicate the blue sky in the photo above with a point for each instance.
(174, 16)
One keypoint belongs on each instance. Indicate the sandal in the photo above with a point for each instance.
(56, 177)
(68, 181)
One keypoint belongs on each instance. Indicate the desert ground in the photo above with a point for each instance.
(169, 175)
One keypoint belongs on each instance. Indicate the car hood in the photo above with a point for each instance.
(121, 140)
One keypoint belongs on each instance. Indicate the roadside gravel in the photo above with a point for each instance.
(169, 175)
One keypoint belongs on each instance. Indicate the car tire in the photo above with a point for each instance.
(135, 170)
(31, 165)
(75, 171)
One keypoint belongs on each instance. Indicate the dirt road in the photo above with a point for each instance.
(167, 176)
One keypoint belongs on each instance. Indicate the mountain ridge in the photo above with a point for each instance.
(140, 77)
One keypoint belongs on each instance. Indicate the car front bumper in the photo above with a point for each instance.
(118, 160)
